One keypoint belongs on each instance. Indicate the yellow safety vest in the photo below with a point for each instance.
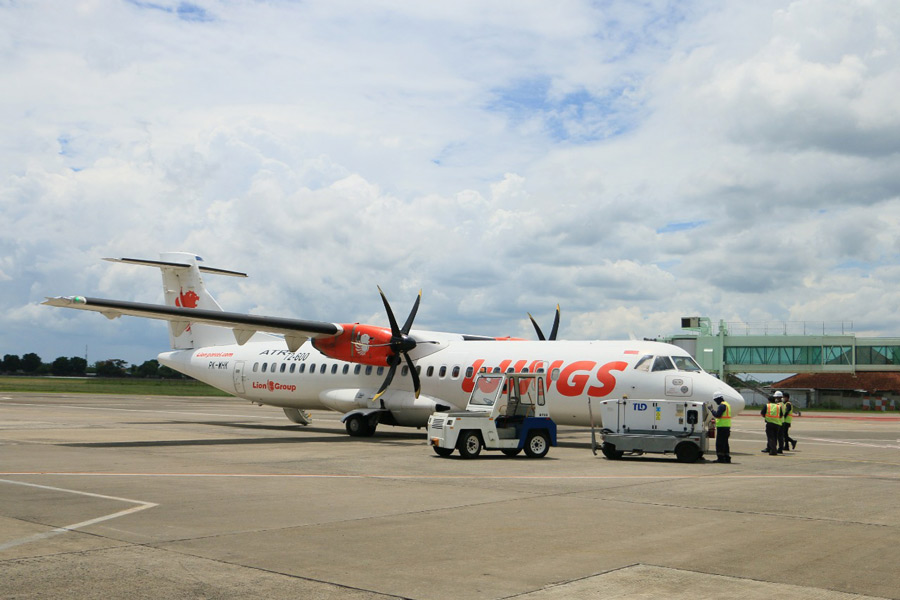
(725, 419)
(788, 409)
(773, 413)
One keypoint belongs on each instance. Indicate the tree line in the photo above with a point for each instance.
(76, 366)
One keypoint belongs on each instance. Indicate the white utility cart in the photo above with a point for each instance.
(506, 412)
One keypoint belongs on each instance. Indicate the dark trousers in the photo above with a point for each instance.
(772, 434)
(782, 435)
(723, 450)
(787, 434)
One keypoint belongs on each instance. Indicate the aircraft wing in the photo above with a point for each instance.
(295, 331)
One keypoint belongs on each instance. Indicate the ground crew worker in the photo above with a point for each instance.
(779, 397)
(722, 413)
(788, 413)
(772, 414)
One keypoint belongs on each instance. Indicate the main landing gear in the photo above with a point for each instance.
(361, 425)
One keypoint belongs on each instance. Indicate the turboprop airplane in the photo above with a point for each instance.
(352, 368)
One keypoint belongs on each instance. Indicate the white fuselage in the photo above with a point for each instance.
(266, 373)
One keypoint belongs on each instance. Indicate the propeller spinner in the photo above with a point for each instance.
(400, 344)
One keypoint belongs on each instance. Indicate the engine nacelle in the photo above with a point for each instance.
(405, 402)
(366, 344)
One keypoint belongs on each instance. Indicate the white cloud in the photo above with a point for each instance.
(635, 163)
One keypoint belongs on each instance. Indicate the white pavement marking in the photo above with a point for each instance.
(141, 505)
(852, 443)
(142, 410)
(884, 444)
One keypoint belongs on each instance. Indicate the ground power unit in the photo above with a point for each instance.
(636, 427)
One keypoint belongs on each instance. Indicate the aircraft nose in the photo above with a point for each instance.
(734, 399)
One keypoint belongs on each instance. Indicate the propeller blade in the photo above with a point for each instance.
(386, 383)
(537, 328)
(553, 332)
(412, 314)
(555, 329)
(417, 385)
(387, 307)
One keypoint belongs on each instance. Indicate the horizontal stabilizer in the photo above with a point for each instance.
(162, 264)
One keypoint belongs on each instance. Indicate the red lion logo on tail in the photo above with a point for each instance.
(188, 300)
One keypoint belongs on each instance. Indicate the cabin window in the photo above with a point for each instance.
(554, 374)
(293, 366)
(443, 372)
(302, 368)
(455, 372)
(381, 370)
(255, 367)
(469, 372)
(357, 369)
(419, 370)
(265, 365)
(322, 368)
(429, 371)
(283, 367)
(368, 369)
(495, 370)
(404, 371)
(334, 369)
(345, 370)
(510, 370)
(312, 369)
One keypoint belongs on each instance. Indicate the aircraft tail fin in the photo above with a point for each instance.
(184, 287)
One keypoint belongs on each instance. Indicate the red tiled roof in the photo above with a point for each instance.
(876, 381)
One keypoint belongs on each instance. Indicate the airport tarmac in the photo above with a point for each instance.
(161, 497)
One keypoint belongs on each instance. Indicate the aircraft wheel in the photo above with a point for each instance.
(610, 452)
(511, 451)
(358, 426)
(442, 451)
(537, 445)
(469, 444)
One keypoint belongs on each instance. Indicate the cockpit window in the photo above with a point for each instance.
(686, 363)
(644, 363)
(663, 363)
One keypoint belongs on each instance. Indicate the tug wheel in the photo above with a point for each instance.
(469, 444)
(537, 445)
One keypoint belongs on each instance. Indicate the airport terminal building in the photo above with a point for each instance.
(826, 364)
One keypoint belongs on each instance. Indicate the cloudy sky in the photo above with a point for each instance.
(635, 162)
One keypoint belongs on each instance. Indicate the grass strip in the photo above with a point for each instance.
(103, 385)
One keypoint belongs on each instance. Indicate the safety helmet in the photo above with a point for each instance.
(778, 394)
(718, 396)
